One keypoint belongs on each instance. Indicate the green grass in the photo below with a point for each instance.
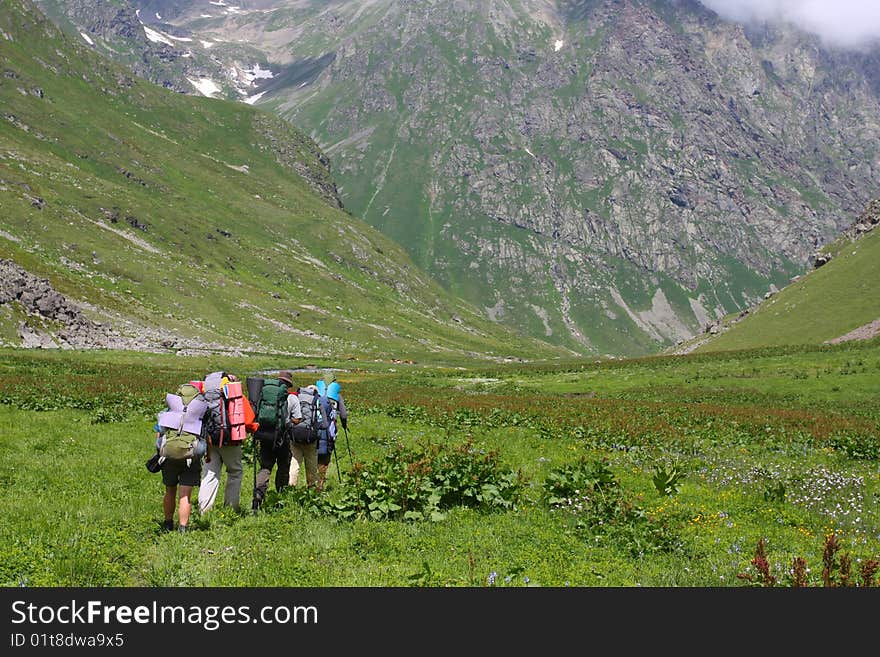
(779, 444)
(824, 304)
(208, 220)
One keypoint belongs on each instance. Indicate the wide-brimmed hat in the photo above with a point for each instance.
(286, 377)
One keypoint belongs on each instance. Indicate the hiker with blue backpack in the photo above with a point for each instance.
(277, 411)
(333, 411)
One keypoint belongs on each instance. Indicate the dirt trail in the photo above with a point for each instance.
(866, 332)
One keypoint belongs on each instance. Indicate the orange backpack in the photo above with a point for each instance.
(235, 410)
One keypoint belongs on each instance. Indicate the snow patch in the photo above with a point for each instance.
(257, 73)
(86, 37)
(156, 37)
(250, 100)
(205, 86)
(558, 45)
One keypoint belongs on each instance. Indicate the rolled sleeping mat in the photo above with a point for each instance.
(254, 390)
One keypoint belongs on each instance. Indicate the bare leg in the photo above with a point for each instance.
(185, 506)
(168, 502)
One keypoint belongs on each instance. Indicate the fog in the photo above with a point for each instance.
(845, 23)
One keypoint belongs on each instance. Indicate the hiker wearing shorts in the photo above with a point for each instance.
(182, 475)
(181, 464)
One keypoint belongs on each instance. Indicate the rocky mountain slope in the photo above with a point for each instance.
(608, 175)
(135, 217)
(836, 301)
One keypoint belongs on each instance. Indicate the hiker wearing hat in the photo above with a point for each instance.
(333, 411)
(274, 445)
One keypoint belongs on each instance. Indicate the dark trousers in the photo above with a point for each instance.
(270, 457)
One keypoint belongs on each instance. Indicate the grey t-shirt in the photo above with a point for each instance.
(294, 412)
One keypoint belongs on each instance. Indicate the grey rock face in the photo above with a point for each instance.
(610, 175)
(37, 297)
(567, 160)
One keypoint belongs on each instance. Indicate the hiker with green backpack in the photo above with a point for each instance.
(181, 444)
(277, 410)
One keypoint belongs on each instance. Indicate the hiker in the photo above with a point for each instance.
(332, 410)
(274, 442)
(225, 442)
(304, 445)
(181, 447)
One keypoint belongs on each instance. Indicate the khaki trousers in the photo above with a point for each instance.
(230, 456)
(304, 453)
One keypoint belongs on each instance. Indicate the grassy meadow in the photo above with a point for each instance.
(661, 471)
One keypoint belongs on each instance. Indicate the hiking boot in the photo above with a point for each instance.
(258, 500)
(182, 529)
(168, 526)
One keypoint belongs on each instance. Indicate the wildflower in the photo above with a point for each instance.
(492, 577)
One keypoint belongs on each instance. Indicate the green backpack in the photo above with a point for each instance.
(272, 410)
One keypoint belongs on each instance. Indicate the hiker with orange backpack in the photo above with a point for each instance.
(231, 419)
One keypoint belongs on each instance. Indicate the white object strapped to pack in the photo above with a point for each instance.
(180, 417)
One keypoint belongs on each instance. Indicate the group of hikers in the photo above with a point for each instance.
(206, 422)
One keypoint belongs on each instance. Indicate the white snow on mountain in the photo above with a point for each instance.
(205, 86)
(156, 37)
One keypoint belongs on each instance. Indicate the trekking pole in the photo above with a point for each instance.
(338, 471)
(348, 445)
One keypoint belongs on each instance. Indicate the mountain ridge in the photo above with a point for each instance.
(608, 176)
(189, 224)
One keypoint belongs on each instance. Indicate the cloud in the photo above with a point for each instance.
(846, 23)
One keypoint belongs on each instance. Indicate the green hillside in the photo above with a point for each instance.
(198, 224)
(825, 304)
